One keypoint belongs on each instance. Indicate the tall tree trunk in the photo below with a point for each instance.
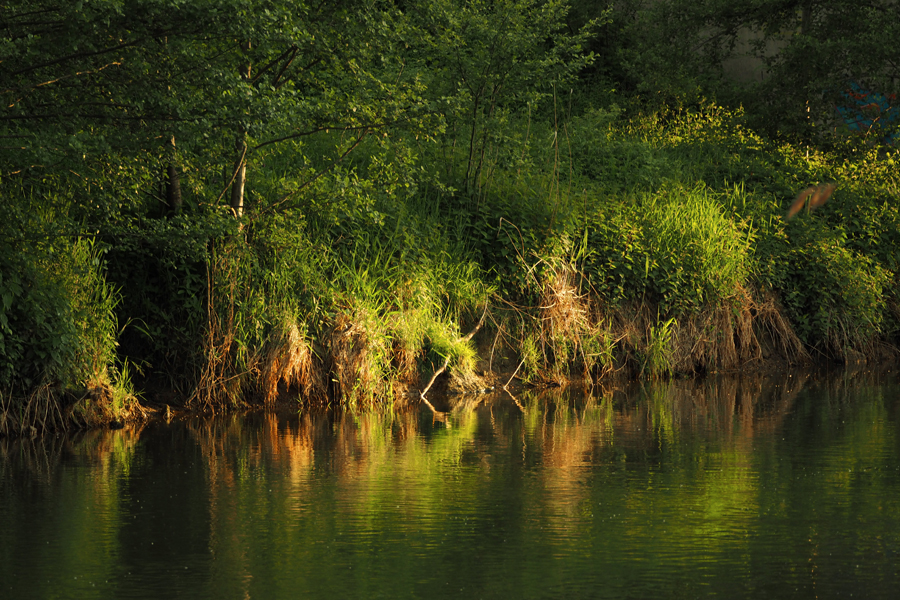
(240, 174)
(240, 165)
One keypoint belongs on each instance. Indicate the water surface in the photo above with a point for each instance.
(786, 487)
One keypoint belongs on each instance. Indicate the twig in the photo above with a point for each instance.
(287, 197)
(506, 387)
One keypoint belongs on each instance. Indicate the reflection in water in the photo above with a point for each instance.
(740, 487)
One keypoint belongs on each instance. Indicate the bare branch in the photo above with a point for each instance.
(57, 61)
(319, 174)
(58, 79)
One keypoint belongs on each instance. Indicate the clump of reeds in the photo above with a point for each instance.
(379, 315)
(566, 332)
(643, 342)
(288, 359)
(357, 358)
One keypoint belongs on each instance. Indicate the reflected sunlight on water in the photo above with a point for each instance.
(739, 487)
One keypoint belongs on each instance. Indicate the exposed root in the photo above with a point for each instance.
(40, 411)
(725, 336)
(771, 325)
(104, 405)
(720, 337)
(49, 408)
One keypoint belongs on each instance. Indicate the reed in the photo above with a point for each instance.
(353, 324)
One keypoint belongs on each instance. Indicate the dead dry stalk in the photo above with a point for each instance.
(218, 381)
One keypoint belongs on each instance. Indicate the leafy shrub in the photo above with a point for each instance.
(835, 295)
(676, 248)
(57, 322)
(38, 333)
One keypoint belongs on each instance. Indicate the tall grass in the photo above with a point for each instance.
(78, 377)
(695, 254)
(612, 241)
(351, 323)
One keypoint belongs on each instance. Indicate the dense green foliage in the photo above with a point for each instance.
(238, 198)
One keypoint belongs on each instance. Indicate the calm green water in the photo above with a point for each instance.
(750, 488)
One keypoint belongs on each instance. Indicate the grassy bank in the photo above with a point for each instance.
(648, 244)
(352, 233)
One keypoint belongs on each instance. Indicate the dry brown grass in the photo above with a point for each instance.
(564, 312)
(744, 328)
(775, 330)
(220, 381)
(41, 411)
(568, 333)
(99, 407)
(720, 337)
(288, 359)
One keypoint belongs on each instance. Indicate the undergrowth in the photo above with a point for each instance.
(611, 242)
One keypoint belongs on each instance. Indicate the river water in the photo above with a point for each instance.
(779, 487)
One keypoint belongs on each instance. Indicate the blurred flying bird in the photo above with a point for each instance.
(817, 195)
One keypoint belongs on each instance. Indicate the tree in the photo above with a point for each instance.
(483, 58)
(105, 89)
(115, 113)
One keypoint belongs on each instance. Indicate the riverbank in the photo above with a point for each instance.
(329, 206)
(664, 252)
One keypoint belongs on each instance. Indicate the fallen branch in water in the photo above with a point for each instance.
(443, 368)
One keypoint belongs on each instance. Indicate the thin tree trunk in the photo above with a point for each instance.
(240, 173)
(173, 181)
(240, 166)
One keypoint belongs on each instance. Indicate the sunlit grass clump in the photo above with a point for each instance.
(354, 324)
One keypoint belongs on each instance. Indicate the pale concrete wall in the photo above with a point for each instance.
(744, 66)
